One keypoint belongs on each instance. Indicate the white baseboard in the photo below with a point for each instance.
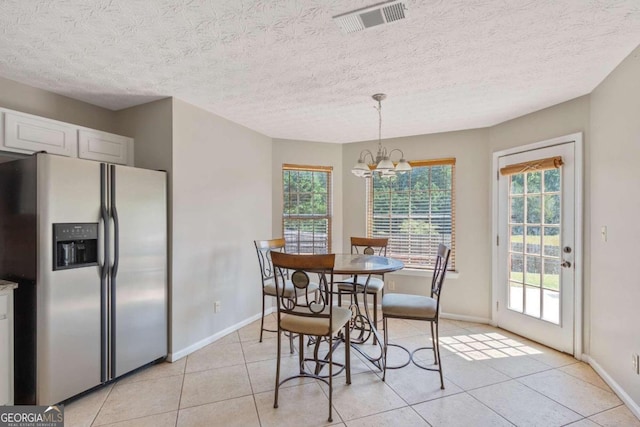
(172, 357)
(474, 319)
(633, 406)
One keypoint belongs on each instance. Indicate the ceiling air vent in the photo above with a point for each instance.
(381, 13)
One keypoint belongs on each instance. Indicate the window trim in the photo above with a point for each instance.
(451, 161)
(329, 215)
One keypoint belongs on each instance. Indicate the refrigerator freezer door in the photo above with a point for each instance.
(68, 301)
(139, 289)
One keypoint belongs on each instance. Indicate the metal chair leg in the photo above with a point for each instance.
(433, 343)
(330, 378)
(301, 353)
(386, 345)
(347, 351)
(262, 318)
(437, 345)
(275, 401)
(375, 314)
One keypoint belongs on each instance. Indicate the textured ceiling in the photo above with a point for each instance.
(283, 68)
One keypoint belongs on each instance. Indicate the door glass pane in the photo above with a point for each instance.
(551, 306)
(516, 268)
(551, 274)
(517, 238)
(552, 209)
(533, 240)
(517, 210)
(517, 184)
(515, 296)
(533, 209)
(551, 241)
(551, 180)
(533, 271)
(532, 301)
(533, 182)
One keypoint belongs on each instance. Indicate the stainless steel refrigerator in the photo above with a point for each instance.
(87, 243)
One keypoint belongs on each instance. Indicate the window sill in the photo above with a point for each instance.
(422, 273)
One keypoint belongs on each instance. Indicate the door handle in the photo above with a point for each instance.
(566, 264)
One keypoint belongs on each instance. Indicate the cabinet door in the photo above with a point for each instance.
(104, 147)
(5, 348)
(28, 134)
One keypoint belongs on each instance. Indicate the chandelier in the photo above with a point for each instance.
(381, 162)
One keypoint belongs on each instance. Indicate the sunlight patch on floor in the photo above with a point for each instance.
(485, 346)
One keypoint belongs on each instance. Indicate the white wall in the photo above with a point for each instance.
(308, 153)
(31, 100)
(151, 127)
(615, 203)
(467, 295)
(221, 202)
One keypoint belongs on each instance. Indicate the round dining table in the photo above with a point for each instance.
(356, 265)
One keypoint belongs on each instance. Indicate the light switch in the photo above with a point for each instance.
(603, 233)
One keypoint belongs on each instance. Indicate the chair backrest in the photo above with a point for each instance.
(264, 249)
(369, 246)
(309, 303)
(439, 271)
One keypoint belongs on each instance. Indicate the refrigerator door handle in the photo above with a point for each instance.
(114, 268)
(104, 271)
(116, 225)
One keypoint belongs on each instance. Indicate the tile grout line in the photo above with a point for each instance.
(492, 410)
(559, 369)
(102, 405)
(603, 411)
(246, 368)
(184, 375)
(549, 397)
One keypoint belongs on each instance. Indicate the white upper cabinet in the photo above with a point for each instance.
(104, 147)
(27, 134)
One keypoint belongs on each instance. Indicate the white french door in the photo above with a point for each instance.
(536, 279)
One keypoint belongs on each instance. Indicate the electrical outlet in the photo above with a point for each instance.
(216, 307)
(392, 285)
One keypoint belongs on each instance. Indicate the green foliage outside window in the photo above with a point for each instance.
(307, 210)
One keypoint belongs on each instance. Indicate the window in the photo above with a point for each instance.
(306, 214)
(416, 211)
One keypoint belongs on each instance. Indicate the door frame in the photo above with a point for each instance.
(577, 139)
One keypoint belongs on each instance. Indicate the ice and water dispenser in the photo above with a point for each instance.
(75, 245)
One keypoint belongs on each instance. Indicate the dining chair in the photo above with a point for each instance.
(373, 283)
(313, 314)
(264, 249)
(418, 307)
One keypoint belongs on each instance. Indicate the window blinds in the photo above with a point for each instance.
(416, 211)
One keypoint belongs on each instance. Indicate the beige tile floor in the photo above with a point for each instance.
(492, 378)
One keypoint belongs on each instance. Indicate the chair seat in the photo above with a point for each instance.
(317, 326)
(375, 284)
(409, 306)
(289, 289)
